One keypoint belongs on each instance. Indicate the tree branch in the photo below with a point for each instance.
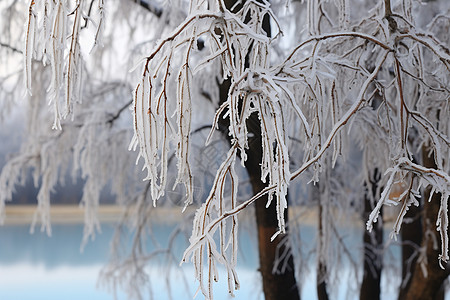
(11, 48)
(151, 7)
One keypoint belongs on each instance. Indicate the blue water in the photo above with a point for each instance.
(34, 267)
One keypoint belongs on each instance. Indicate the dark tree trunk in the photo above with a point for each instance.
(321, 275)
(373, 247)
(411, 243)
(322, 293)
(276, 285)
(421, 286)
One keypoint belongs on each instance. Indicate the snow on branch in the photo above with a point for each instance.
(310, 84)
(379, 73)
(53, 37)
(154, 128)
(29, 45)
(242, 47)
(439, 182)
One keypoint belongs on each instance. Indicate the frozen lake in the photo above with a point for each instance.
(34, 267)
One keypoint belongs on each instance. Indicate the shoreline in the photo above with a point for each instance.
(75, 214)
(111, 213)
(59, 214)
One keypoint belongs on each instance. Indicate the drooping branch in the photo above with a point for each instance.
(309, 89)
(345, 118)
(211, 226)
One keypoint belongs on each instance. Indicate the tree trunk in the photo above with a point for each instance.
(373, 247)
(321, 276)
(277, 284)
(321, 272)
(421, 286)
(411, 243)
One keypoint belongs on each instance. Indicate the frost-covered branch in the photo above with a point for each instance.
(439, 182)
(303, 83)
(376, 81)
